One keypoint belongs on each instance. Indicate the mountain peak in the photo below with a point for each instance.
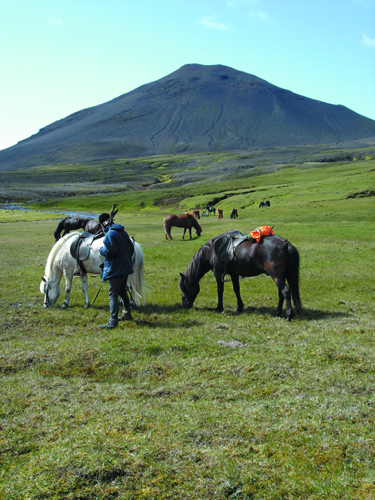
(196, 108)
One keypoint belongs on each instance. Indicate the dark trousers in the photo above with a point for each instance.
(117, 288)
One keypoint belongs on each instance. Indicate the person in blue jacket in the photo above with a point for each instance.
(117, 249)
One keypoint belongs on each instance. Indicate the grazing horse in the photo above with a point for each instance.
(265, 203)
(72, 223)
(219, 213)
(210, 209)
(273, 256)
(61, 262)
(234, 213)
(186, 221)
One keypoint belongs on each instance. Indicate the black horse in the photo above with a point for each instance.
(210, 209)
(273, 256)
(87, 224)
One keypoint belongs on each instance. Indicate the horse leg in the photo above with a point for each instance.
(284, 294)
(190, 232)
(68, 287)
(183, 234)
(280, 303)
(220, 292)
(236, 289)
(85, 289)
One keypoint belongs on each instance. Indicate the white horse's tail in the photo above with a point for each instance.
(136, 280)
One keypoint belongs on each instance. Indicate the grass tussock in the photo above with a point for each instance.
(190, 403)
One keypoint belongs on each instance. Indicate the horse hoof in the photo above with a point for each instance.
(87, 305)
(64, 306)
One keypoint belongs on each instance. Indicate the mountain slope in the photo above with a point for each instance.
(196, 108)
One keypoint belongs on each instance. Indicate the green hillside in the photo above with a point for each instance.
(191, 403)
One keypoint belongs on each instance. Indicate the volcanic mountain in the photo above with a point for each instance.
(195, 109)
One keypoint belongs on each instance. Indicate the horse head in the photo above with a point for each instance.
(51, 291)
(197, 226)
(189, 291)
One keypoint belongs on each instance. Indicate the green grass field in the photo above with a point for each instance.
(191, 404)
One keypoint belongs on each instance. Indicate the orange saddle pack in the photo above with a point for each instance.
(261, 231)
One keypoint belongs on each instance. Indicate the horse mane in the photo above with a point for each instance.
(55, 249)
(198, 265)
(196, 224)
(59, 227)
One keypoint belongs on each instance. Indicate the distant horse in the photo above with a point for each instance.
(234, 213)
(60, 262)
(273, 256)
(186, 221)
(219, 213)
(210, 209)
(194, 212)
(72, 223)
(265, 203)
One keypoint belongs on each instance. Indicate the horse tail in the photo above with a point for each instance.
(136, 279)
(167, 227)
(292, 275)
(60, 227)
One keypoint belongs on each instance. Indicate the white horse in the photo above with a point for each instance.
(60, 262)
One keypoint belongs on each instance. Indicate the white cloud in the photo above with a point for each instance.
(53, 20)
(260, 15)
(368, 41)
(210, 22)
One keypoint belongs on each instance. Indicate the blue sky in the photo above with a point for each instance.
(60, 56)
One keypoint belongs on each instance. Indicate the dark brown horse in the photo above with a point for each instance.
(219, 213)
(72, 223)
(273, 256)
(234, 213)
(186, 221)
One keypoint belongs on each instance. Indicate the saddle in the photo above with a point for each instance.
(225, 246)
(80, 248)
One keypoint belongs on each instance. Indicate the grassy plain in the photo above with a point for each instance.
(194, 404)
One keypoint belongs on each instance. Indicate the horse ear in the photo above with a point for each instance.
(182, 275)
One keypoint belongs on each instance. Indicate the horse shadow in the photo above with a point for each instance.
(306, 314)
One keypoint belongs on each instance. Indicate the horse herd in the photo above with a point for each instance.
(243, 257)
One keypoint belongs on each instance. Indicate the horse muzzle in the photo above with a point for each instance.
(186, 302)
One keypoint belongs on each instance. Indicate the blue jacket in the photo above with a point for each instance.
(117, 249)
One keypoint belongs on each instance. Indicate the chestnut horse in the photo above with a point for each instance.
(219, 213)
(186, 221)
(273, 256)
